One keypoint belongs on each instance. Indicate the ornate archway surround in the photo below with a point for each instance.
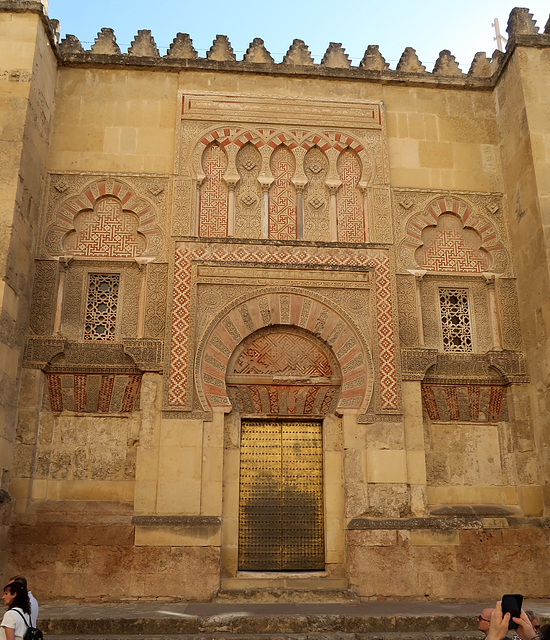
(288, 307)
(185, 368)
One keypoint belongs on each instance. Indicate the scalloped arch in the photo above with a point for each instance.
(468, 216)
(88, 199)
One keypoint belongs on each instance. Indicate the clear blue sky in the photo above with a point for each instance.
(463, 27)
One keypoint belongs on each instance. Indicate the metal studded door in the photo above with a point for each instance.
(281, 496)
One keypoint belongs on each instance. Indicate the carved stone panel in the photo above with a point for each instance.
(105, 216)
(451, 232)
(265, 264)
(316, 196)
(76, 294)
(156, 300)
(43, 296)
(248, 194)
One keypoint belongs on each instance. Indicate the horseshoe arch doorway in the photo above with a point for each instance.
(283, 381)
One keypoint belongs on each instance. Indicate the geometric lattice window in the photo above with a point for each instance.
(101, 307)
(455, 320)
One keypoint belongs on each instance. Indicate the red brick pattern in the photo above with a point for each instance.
(54, 389)
(266, 311)
(81, 393)
(350, 216)
(465, 403)
(449, 254)
(106, 232)
(282, 196)
(106, 220)
(105, 393)
(131, 393)
(214, 195)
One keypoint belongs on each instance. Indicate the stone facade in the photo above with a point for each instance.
(192, 245)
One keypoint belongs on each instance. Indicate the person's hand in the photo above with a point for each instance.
(525, 629)
(499, 624)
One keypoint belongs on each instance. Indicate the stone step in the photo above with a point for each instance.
(241, 625)
(266, 595)
(332, 635)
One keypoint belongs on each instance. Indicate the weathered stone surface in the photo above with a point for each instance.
(373, 59)
(182, 47)
(409, 62)
(336, 57)
(105, 43)
(298, 54)
(257, 52)
(446, 65)
(143, 45)
(331, 243)
(221, 50)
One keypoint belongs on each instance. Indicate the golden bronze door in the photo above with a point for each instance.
(281, 496)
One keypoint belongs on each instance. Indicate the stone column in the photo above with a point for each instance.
(413, 423)
(418, 275)
(147, 461)
(490, 279)
(64, 262)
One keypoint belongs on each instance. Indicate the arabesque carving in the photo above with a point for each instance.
(296, 308)
(450, 233)
(190, 253)
(98, 217)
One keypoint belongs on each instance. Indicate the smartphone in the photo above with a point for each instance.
(512, 603)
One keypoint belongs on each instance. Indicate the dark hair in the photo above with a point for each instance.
(20, 579)
(21, 596)
(545, 632)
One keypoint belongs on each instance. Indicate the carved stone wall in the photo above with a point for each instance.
(76, 295)
(43, 297)
(190, 256)
(104, 216)
(451, 232)
(289, 169)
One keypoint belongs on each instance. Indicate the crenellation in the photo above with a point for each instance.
(521, 22)
(55, 29)
(257, 53)
(70, 45)
(481, 66)
(409, 62)
(373, 60)
(144, 45)
(105, 43)
(446, 65)
(298, 54)
(221, 50)
(336, 57)
(547, 27)
(182, 48)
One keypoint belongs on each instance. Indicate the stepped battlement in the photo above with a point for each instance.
(143, 52)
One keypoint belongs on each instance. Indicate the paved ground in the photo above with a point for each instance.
(160, 609)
